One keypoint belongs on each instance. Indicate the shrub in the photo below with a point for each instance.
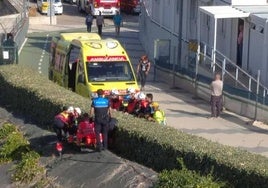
(28, 169)
(186, 178)
(6, 129)
(13, 147)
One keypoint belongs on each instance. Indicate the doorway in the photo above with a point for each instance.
(240, 33)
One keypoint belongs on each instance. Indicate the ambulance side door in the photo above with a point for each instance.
(81, 81)
(73, 58)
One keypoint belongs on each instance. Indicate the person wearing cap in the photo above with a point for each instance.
(115, 101)
(143, 69)
(100, 108)
(145, 106)
(132, 102)
(142, 104)
(127, 98)
(62, 121)
(158, 115)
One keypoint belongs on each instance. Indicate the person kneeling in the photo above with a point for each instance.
(85, 128)
(158, 115)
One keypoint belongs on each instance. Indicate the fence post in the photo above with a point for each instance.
(223, 69)
(257, 94)
(205, 52)
(196, 71)
(154, 70)
(212, 57)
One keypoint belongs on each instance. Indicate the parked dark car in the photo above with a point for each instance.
(131, 6)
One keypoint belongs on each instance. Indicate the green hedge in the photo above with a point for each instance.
(24, 91)
(150, 144)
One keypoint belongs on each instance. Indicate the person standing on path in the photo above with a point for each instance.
(216, 96)
(99, 23)
(143, 69)
(117, 23)
(89, 20)
(100, 108)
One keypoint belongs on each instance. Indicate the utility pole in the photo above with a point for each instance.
(50, 11)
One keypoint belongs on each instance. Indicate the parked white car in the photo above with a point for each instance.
(43, 6)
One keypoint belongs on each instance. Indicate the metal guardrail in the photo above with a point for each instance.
(16, 25)
(18, 4)
(233, 75)
(231, 68)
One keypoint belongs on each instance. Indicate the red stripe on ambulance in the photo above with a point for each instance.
(106, 58)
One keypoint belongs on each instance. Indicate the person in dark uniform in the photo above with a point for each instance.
(101, 110)
(143, 69)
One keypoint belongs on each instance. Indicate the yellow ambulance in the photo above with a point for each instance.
(84, 63)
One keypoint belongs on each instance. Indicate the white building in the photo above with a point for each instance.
(169, 27)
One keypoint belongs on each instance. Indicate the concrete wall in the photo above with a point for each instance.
(232, 103)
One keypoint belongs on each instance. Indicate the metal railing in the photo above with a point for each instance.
(237, 79)
(16, 25)
(18, 4)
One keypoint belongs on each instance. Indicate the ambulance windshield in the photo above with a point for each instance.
(109, 71)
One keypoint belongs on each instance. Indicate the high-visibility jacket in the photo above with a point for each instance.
(85, 128)
(159, 116)
(115, 103)
(132, 105)
(64, 117)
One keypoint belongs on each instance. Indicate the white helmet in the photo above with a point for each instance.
(130, 90)
(78, 110)
(94, 95)
(141, 96)
(70, 109)
(114, 92)
(137, 95)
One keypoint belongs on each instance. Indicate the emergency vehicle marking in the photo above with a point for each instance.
(106, 58)
(111, 45)
(95, 45)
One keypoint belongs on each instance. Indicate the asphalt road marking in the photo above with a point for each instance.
(42, 55)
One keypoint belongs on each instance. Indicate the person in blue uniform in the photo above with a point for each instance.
(101, 110)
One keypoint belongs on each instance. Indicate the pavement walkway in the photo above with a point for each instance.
(183, 110)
